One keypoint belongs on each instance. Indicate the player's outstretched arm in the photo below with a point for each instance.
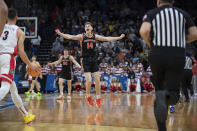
(75, 62)
(21, 51)
(69, 37)
(56, 62)
(109, 39)
(3, 15)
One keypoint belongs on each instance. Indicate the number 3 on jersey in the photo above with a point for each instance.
(90, 45)
(6, 33)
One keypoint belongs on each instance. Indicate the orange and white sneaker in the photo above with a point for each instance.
(90, 101)
(98, 103)
(60, 97)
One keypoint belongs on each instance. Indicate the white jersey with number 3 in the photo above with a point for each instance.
(9, 40)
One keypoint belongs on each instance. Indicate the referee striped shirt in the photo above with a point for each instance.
(188, 63)
(169, 26)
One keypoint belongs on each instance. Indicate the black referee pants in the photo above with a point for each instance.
(186, 82)
(167, 67)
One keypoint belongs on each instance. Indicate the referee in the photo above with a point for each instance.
(166, 30)
(187, 77)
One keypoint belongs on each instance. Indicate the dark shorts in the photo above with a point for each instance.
(65, 75)
(90, 65)
(34, 78)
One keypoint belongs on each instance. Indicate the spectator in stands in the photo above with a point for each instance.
(36, 41)
(140, 66)
(130, 73)
(78, 85)
(103, 64)
(51, 70)
(118, 70)
(136, 57)
(149, 72)
(103, 85)
(112, 86)
(145, 62)
(57, 46)
(132, 86)
(148, 86)
(112, 68)
(119, 85)
(120, 56)
(143, 80)
(142, 83)
(44, 78)
(107, 58)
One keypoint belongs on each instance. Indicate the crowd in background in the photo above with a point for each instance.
(110, 18)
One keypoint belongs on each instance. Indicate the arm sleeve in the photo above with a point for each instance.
(148, 17)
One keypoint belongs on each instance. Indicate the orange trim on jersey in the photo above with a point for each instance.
(89, 41)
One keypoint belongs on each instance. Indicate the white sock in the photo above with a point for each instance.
(17, 99)
(4, 89)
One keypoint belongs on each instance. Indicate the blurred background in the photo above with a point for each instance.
(109, 18)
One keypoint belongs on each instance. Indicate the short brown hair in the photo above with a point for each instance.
(12, 13)
(65, 49)
(89, 23)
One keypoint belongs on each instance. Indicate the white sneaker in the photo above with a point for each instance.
(68, 98)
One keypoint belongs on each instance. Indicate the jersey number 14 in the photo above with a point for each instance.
(90, 45)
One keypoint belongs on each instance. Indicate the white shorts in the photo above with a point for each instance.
(7, 67)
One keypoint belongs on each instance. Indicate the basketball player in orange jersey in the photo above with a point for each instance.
(12, 37)
(34, 81)
(3, 15)
(89, 59)
(66, 60)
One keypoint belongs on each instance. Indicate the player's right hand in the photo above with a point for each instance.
(122, 36)
(58, 31)
(35, 67)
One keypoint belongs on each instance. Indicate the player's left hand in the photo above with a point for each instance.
(122, 36)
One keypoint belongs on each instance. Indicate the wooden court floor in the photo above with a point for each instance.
(120, 112)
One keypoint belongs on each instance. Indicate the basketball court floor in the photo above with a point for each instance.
(120, 112)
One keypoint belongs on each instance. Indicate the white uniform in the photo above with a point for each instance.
(8, 51)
